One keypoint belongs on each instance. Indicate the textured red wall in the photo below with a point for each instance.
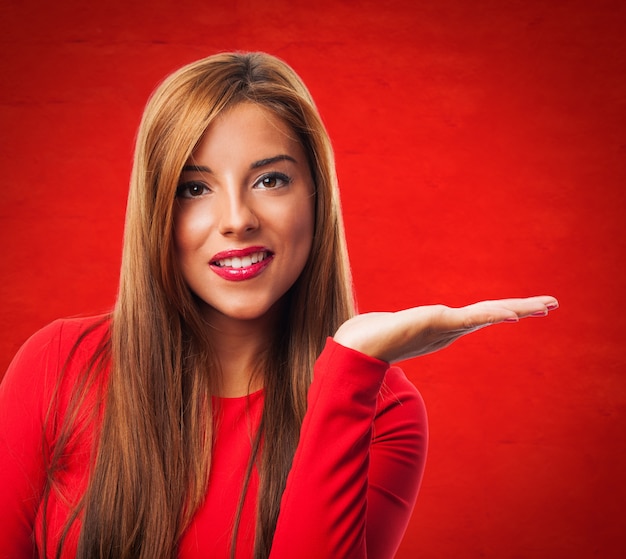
(481, 148)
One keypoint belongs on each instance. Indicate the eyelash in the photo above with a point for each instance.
(184, 190)
(279, 177)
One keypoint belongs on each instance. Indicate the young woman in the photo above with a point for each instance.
(231, 404)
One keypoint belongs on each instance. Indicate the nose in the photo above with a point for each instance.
(237, 216)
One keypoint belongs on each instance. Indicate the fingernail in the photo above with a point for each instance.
(512, 319)
(540, 313)
(552, 306)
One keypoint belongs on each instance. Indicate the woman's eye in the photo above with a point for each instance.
(191, 190)
(273, 180)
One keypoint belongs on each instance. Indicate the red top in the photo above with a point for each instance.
(350, 493)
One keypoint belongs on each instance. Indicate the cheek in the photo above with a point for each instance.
(299, 227)
(191, 228)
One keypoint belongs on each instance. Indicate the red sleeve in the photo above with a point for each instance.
(24, 394)
(359, 463)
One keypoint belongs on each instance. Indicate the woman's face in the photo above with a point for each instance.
(243, 216)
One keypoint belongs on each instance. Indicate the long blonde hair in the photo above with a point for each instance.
(153, 456)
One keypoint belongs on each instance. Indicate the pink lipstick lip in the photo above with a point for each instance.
(245, 273)
(239, 253)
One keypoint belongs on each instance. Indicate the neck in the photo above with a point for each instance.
(241, 347)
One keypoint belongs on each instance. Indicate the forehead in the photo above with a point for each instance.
(248, 130)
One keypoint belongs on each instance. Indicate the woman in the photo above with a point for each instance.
(231, 405)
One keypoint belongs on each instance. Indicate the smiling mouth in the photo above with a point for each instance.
(238, 262)
(240, 265)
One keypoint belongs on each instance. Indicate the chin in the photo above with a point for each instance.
(245, 315)
(241, 313)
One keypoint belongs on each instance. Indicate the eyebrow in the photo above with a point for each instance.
(255, 165)
(270, 160)
(197, 168)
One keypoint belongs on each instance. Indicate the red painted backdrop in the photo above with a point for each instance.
(481, 149)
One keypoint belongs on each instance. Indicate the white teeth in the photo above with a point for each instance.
(243, 262)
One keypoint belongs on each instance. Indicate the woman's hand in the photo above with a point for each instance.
(404, 334)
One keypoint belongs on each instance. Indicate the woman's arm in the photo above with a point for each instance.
(359, 462)
(27, 437)
(23, 396)
(361, 454)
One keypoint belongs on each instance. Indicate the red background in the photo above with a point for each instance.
(481, 151)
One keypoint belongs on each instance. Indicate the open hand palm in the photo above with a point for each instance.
(394, 336)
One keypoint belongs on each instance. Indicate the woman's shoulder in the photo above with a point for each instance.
(48, 350)
(73, 327)
(46, 369)
(64, 333)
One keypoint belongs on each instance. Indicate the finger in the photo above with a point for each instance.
(530, 306)
(486, 313)
(525, 303)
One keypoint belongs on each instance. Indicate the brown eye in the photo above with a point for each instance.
(191, 190)
(269, 182)
(195, 189)
(272, 181)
